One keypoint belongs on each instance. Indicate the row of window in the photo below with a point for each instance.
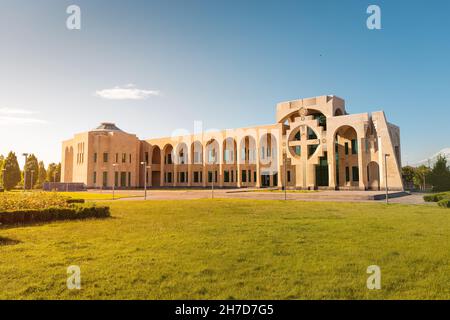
(125, 179)
(355, 174)
(124, 157)
(228, 176)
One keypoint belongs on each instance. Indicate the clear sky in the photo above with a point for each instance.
(226, 63)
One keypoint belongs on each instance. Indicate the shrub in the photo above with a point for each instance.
(75, 200)
(25, 216)
(445, 203)
(433, 197)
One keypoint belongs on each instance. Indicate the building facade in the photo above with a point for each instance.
(314, 144)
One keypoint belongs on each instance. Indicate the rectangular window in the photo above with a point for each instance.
(210, 175)
(169, 177)
(105, 157)
(116, 179)
(146, 157)
(346, 148)
(289, 176)
(249, 176)
(347, 174)
(124, 157)
(94, 178)
(226, 176)
(215, 176)
(123, 179)
(244, 176)
(196, 177)
(95, 157)
(232, 175)
(254, 176)
(129, 179)
(355, 174)
(201, 176)
(117, 158)
(105, 179)
(354, 146)
(130, 157)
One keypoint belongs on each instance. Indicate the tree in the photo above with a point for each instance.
(42, 174)
(31, 171)
(421, 176)
(12, 171)
(54, 172)
(408, 173)
(440, 175)
(2, 160)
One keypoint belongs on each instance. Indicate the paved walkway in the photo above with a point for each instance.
(344, 196)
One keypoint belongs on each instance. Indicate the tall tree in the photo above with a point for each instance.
(2, 160)
(31, 171)
(421, 175)
(12, 173)
(440, 175)
(54, 172)
(42, 175)
(408, 173)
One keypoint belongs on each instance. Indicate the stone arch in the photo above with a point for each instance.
(229, 148)
(156, 155)
(68, 164)
(347, 169)
(212, 150)
(196, 152)
(182, 154)
(248, 150)
(373, 175)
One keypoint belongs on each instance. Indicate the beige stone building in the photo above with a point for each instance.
(314, 144)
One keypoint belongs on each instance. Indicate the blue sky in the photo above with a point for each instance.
(225, 63)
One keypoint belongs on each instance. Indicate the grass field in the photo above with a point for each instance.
(233, 249)
(96, 196)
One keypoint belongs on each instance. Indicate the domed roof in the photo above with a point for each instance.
(107, 126)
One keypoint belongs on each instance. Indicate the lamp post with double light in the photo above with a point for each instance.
(144, 163)
(386, 177)
(114, 181)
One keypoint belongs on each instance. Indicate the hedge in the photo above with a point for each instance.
(445, 203)
(71, 200)
(435, 197)
(52, 214)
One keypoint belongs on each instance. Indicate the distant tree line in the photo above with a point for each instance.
(33, 175)
(437, 177)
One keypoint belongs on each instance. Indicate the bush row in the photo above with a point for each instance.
(436, 197)
(52, 214)
(445, 203)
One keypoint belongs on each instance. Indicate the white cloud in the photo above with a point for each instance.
(12, 116)
(15, 111)
(128, 92)
(6, 120)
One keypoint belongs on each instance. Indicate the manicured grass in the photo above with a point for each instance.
(225, 249)
(96, 196)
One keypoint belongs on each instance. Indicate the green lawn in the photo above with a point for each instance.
(96, 196)
(225, 249)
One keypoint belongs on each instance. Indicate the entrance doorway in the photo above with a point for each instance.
(265, 180)
(322, 172)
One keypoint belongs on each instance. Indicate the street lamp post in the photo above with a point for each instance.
(25, 171)
(114, 180)
(385, 177)
(213, 175)
(145, 179)
(285, 177)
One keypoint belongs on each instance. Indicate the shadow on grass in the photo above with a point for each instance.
(8, 241)
(43, 223)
